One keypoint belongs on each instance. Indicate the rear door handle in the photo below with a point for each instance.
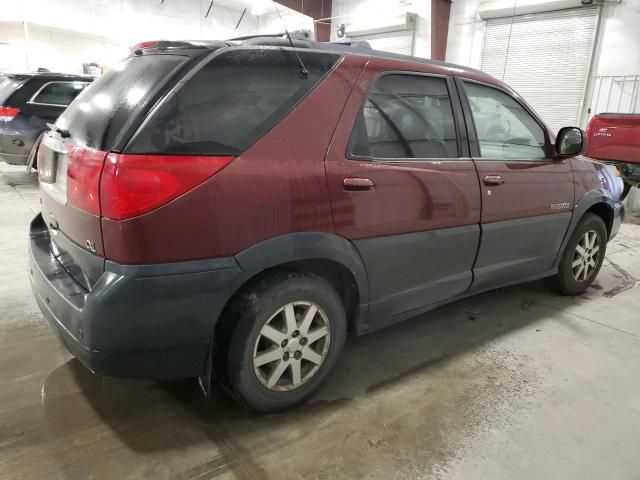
(493, 180)
(355, 184)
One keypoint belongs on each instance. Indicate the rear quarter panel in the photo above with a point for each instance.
(276, 187)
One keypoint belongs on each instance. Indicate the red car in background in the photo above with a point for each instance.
(615, 138)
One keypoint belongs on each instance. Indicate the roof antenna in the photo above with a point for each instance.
(304, 73)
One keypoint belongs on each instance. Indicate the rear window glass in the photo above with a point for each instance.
(8, 85)
(101, 112)
(58, 93)
(231, 102)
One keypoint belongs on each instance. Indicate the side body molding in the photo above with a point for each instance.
(310, 246)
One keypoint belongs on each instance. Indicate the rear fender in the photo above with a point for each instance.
(308, 246)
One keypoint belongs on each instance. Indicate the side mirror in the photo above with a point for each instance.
(569, 142)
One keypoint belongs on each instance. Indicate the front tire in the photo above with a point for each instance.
(287, 339)
(583, 256)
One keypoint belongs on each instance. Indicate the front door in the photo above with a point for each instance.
(527, 198)
(404, 189)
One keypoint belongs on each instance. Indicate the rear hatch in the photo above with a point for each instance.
(72, 155)
(8, 85)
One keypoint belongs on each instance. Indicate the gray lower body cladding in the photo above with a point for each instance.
(137, 321)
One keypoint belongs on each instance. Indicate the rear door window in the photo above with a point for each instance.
(405, 116)
(231, 102)
(98, 116)
(58, 94)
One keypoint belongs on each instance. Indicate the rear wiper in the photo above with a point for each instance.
(63, 132)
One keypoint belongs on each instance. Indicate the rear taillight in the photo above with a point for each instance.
(83, 178)
(135, 184)
(8, 113)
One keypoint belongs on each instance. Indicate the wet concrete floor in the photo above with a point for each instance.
(517, 383)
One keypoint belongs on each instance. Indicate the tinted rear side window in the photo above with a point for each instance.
(231, 102)
(100, 113)
(405, 116)
(8, 85)
(58, 93)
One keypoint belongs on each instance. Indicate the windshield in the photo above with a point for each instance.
(103, 110)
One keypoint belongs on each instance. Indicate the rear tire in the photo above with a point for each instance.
(583, 257)
(289, 332)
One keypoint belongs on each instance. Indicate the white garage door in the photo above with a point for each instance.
(545, 57)
(400, 41)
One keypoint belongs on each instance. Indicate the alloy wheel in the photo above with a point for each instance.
(291, 346)
(586, 256)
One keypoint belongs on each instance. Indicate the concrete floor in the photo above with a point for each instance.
(518, 383)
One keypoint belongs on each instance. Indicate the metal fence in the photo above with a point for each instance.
(616, 94)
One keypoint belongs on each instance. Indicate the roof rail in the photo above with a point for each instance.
(295, 35)
(348, 42)
(300, 39)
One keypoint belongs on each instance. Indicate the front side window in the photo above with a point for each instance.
(58, 94)
(405, 116)
(506, 131)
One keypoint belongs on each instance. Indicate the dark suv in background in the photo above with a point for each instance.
(27, 103)
(231, 210)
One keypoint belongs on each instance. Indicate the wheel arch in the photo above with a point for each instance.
(598, 202)
(313, 249)
(329, 256)
(604, 211)
(326, 255)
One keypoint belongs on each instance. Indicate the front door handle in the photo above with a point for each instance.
(355, 184)
(493, 180)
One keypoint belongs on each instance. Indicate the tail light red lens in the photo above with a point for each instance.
(8, 113)
(135, 184)
(83, 178)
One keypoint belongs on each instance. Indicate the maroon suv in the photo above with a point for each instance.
(231, 210)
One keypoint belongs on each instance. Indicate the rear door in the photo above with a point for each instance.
(404, 189)
(527, 198)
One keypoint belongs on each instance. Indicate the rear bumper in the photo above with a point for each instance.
(137, 321)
